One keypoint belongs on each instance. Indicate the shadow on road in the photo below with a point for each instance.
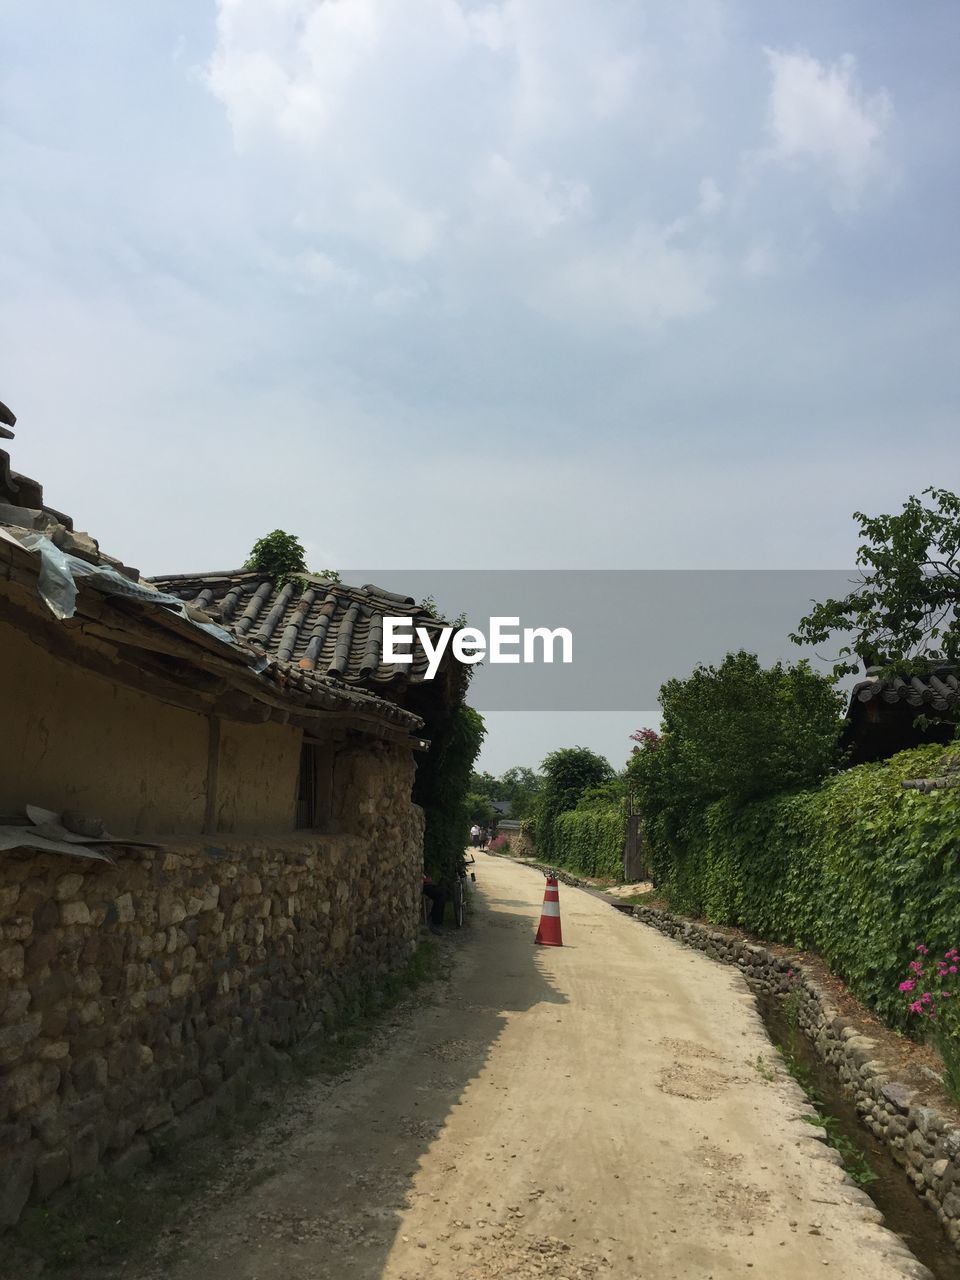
(338, 1166)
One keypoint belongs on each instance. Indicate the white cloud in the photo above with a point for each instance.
(819, 114)
(760, 260)
(538, 203)
(646, 282)
(711, 197)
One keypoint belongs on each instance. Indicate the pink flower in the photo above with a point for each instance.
(924, 951)
(926, 997)
(908, 985)
(915, 966)
(952, 969)
(916, 1007)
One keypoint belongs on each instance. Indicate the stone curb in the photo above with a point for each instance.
(922, 1140)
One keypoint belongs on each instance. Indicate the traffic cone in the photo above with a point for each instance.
(548, 935)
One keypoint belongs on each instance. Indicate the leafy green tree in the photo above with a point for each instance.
(479, 809)
(520, 786)
(568, 773)
(904, 609)
(738, 731)
(281, 556)
(486, 785)
(442, 787)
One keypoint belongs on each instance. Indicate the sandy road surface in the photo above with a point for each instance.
(594, 1111)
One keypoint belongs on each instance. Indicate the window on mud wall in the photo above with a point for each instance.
(315, 787)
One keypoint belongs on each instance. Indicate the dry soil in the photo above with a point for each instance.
(612, 1108)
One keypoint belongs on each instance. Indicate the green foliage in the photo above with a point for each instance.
(442, 787)
(568, 772)
(905, 606)
(857, 869)
(735, 732)
(281, 556)
(278, 555)
(479, 809)
(519, 785)
(590, 841)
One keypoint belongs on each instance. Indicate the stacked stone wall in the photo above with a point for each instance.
(134, 998)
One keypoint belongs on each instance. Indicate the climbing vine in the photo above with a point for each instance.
(442, 788)
(857, 868)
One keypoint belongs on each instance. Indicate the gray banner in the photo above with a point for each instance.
(632, 629)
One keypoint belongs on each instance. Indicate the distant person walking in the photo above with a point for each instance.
(475, 835)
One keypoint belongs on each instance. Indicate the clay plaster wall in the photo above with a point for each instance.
(72, 739)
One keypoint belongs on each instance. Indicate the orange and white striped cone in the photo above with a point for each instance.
(548, 935)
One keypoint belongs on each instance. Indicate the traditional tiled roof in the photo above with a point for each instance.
(221, 641)
(315, 623)
(938, 689)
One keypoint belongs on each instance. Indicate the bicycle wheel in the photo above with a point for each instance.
(458, 902)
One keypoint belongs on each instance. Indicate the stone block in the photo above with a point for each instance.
(74, 913)
(19, 1034)
(16, 1181)
(68, 887)
(84, 1152)
(189, 1092)
(170, 911)
(20, 1089)
(52, 1170)
(12, 963)
(136, 1156)
(44, 949)
(181, 985)
(126, 912)
(195, 1120)
(89, 1074)
(156, 1115)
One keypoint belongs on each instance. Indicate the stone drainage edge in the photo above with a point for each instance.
(920, 1138)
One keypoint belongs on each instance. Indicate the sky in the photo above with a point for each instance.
(446, 285)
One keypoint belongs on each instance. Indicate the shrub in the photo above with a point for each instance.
(590, 841)
(857, 868)
(736, 732)
(569, 773)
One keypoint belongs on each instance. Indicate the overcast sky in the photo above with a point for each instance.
(441, 284)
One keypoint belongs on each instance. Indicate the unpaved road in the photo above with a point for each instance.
(595, 1111)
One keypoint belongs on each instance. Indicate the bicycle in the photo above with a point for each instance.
(459, 889)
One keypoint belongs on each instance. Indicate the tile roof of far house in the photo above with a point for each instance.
(313, 623)
(84, 577)
(937, 689)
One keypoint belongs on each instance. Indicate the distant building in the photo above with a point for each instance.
(883, 712)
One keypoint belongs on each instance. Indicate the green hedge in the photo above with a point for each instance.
(590, 841)
(857, 869)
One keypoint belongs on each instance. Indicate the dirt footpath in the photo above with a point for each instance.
(591, 1111)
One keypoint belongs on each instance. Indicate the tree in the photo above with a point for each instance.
(442, 788)
(281, 556)
(480, 810)
(278, 555)
(518, 784)
(568, 773)
(737, 732)
(903, 611)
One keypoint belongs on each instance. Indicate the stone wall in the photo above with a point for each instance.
(134, 998)
(919, 1138)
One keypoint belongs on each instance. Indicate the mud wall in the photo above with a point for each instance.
(72, 739)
